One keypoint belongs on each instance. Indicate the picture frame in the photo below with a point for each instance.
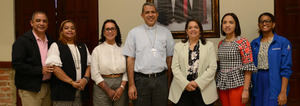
(173, 16)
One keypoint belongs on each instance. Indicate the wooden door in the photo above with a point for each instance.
(85, 15)
(23, 13)
(83, 12)
(287, 14)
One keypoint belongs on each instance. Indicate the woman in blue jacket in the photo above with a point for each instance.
(273, 57)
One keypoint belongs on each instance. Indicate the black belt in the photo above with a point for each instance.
(152, 75)
(46, 81)
(263, 69)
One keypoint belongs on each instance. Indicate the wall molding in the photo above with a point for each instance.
(5, 64)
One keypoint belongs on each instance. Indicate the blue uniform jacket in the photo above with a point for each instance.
(280, 63)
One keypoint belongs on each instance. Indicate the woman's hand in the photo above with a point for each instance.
(82, 82)
(118, 94)
(107, 89)
(111, 93)
(75, 85)
(282, 98)
(191, 86)
(245, 96)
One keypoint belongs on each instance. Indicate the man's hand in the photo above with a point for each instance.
(132, 92)
(47, 70)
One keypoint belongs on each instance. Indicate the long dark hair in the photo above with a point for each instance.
(237, 29)
(118, 37)
(269, 15)
(203, 41)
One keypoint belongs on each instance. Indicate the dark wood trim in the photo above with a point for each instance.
(5, 64)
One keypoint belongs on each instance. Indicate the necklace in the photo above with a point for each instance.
(153, 50)
(76, 58)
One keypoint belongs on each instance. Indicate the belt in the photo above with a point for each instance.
(152, 75)
(46, 81)
(112, 75)
(263, 69)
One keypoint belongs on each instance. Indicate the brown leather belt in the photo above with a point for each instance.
(112, 75)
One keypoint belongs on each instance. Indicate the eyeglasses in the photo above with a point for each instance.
(110, 29)
(265, 21)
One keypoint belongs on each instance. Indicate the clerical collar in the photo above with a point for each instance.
(150, 28)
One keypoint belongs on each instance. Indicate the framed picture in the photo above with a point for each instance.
(174, 13)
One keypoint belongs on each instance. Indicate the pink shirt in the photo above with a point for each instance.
(43, 47)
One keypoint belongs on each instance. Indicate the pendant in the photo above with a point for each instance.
(154, 51)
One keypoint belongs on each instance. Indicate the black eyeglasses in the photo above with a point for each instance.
(110, 29)
(265, 21)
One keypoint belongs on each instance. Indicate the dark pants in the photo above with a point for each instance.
(151, 91)
(193, 98)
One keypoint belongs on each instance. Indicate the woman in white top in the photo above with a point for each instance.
(109, 68)
(71, 61)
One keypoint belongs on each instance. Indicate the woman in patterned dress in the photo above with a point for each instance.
(236, 64)
(273, 57)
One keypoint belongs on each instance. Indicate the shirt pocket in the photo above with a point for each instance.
(161, 45)
(275, 52)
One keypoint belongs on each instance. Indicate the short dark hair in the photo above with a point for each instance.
(269, 15)
(148, 4)
(38, 12)
(237, 29)
(118, 37)
(203, 41)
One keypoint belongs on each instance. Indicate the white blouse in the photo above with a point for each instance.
(53, 58)
(107, 59)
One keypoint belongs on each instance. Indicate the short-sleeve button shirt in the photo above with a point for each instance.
(140, 43)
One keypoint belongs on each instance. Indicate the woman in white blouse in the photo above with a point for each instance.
(71, 61)
(108, 68)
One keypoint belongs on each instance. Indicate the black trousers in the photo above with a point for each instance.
(193, 98)
(151, 91)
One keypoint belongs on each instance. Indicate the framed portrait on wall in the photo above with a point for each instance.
(173, 14)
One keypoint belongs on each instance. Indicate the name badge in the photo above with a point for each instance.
(276, 48)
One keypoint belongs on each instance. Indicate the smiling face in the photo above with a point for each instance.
(266, 24)
(149, 15)
(69, 31)
(193, 30)
(110, 32)
(39, 23)
(228, 25)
